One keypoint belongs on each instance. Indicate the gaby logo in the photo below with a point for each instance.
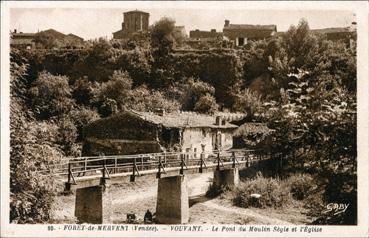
(337, 208)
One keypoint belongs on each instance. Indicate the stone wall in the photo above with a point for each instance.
(93, 146)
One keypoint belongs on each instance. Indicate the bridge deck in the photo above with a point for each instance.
(84, 169)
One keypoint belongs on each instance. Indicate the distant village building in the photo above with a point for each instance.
(240, 34)
(133, 22)
(345, 34)
(133, 132)
(22, 40)
(180, 30)
(206, 35)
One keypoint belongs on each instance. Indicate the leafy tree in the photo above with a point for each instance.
(99, 63)
(193, 90)
(50, 96)
(206, 104)
(115, 91)
(67, 135)
(248, 102)
(81, 116)
(300, 44)
(138, 64)
(163, 33)
(31, 194)
(144, 99)
(83, 91)
(316, 132)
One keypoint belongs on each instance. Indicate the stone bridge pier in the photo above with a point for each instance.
(93, 203)
(172, 205)
(226, 177)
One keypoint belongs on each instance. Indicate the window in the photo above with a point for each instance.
(203, 132)
(241, 41)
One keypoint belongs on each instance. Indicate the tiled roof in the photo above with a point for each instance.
(205, 34)
(188, 119)
(251, 27)
(332, 30)
(14, 35)
(250, 31)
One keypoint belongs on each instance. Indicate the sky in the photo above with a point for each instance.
(91, 23)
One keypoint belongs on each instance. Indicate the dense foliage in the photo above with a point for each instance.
(302, 85)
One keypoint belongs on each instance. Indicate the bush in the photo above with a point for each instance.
(300, 185)
(273, 193)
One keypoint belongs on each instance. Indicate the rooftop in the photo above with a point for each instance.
(251, 27)
(190, 119)
(332, 30)
(136, 11)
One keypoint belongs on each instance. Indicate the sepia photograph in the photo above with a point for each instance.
(126, 117)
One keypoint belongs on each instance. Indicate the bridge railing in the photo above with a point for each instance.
(137, 164)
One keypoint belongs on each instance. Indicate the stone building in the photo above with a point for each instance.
(180, 30)
(133, 22)
(206, 35)
(22, 40)
(345, 34)
(133, 132)
(240, 34)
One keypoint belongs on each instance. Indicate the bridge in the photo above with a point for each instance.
(91, 177)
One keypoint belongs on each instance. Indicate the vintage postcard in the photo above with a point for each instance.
(184, 119)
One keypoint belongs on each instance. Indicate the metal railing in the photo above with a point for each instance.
(158, 163)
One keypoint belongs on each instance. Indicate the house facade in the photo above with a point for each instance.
(133, 132)
(211, 35)
(345, 34)
(22, 40)
(240, 34)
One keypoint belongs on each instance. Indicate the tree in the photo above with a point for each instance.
(206, 104)
(144, 99)
(115, 91)
(248, 102)
(300, 44)
(83, 91)
(316, 132)
(31, 194)
(193, 91)
(81, 116)
(50, 96)
(163, 34)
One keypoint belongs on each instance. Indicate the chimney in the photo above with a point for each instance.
(213, 30)
(218, 121)
(353, 26)
(15, 31)
(226, 23)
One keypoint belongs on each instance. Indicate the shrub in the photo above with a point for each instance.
(300, 185)
(273, 193)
